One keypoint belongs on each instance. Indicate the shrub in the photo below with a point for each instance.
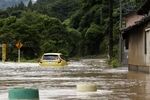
(114, 63)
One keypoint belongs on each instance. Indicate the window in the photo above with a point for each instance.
(50, 57)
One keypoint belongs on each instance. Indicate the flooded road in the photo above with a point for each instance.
(54, 84)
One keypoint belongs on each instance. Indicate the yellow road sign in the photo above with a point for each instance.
(19, 45)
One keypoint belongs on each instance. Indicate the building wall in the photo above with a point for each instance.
(147, 32)
(136, 55)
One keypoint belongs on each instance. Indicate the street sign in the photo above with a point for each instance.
(19, 45)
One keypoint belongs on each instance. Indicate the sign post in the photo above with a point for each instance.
(19, 45)
(4, 52)
(19, 55)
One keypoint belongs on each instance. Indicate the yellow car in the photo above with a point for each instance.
(55, 60)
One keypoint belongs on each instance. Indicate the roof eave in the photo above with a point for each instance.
(139, 23)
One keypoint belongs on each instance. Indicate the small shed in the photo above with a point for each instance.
(128, 21)
(137, 37)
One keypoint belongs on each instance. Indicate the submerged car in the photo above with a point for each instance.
(53, 60)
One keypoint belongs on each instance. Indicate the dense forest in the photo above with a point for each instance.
(73, 27)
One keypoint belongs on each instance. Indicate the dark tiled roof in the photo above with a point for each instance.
(144, 9)
(139, 23)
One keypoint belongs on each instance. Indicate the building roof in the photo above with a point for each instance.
(52, 54)
(143, 21)
(144, 9)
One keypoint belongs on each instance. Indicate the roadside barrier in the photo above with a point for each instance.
(86, 87)
(23, 94)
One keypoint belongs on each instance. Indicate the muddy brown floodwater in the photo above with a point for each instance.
(54, 84)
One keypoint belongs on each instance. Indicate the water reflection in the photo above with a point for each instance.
(141, 86)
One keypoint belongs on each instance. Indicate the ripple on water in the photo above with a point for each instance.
(54, 84)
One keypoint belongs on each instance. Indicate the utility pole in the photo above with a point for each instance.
(110, 35)
(120, 35)
(120, 1)
(101, 15)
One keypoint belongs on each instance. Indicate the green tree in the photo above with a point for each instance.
(30, 4)
(94, 37)
(61, 9)
(21, 6)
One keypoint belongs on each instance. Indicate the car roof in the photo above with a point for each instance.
(52, 54)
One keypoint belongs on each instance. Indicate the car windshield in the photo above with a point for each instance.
(50, 57)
